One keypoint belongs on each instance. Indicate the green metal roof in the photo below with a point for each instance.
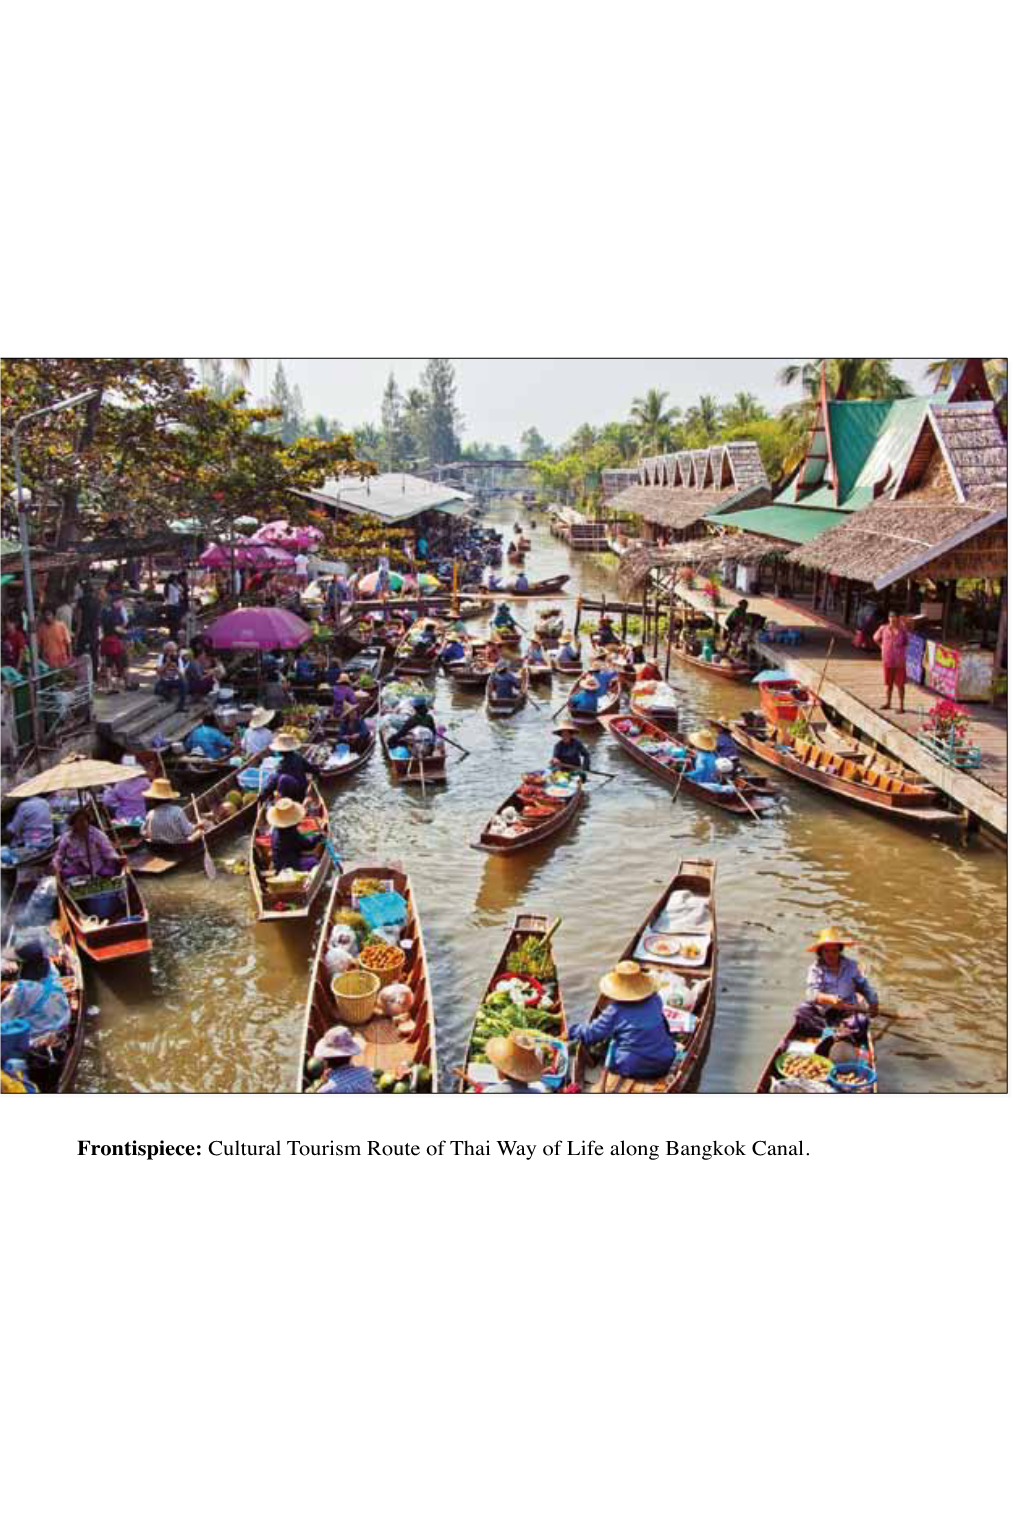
(790, 523)
(869, 437)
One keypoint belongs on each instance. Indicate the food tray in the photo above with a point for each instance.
(651, 938)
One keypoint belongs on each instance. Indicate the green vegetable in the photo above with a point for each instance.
(533, 958)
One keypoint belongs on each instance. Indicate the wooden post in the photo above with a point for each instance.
(669, 625)
(655, 617)
(644, 613)
(947, 607)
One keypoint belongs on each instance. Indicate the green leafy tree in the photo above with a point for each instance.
(743, 409)
(532, 445)
(398, 437)
(622, 436)
(704, 418)
(849, 377)
(440, 416)
(941, 374)
(653, 421)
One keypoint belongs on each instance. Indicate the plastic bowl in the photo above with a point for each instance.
(864, 1077)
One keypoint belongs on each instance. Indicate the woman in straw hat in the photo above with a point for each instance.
(292, 762)
(569, 753)
(289, 845)
(258, 735)
(520, 1063)
(166, 822)
(336, 1049)
(705, 770)
(586, 698)
(633, 1022)
(838, 993)
(85, 851)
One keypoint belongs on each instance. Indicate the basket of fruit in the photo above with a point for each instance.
(355, 993)
(385, 961)
(852, 1077)
(805, 1065)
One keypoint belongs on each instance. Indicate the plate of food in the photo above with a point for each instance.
(674, 950)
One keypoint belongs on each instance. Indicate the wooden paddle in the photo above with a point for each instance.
(448, 738)
(550, 932)
(208, 864)
(816, 695)
(750, 809)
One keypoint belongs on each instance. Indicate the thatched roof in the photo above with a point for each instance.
(736, 463)
(890, 539)
(705, 553)
(680, 508)
(972, 440)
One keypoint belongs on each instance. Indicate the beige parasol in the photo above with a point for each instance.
(76, 775)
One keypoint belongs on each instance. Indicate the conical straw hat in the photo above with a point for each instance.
(161, 791)
(516, 1056)
(832, 936)
(627, 983)
(285, 814)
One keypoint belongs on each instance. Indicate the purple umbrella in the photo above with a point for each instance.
(259, 627)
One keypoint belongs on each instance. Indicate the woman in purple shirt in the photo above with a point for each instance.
(838, 993)
(85, 851)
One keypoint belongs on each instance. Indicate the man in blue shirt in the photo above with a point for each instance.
(504, 682)
(569, 753)
(634, 1024)
(209, 741)
(336, 1049)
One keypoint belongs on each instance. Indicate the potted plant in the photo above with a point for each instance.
(713, 589)
(946, 733)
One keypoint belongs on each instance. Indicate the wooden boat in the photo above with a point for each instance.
(567, 669)
(386, 1048)
(156, 859)
(539, 671)
(728, 669)
(412, 772)
(318, 751)
(782, 701)
(370, 661)
(536, 590)
(696, 877)
(529, 794)
(472, 675)
(865, 1054)
(286, 902)
(550, 1024)
(52, 1070)
(113, 939)
(197, 769)
(549, 630)
(406, 661)
(831, 739)
(650, 699)
(607, 703)
(756, 792)
(508, 638)
(867, 787)
(513, 704)
(614, 654)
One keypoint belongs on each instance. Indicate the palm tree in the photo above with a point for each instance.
(941, 374)
(704, 416)
(653, 420)
(849, 377)
(744, 410)
(622, 435)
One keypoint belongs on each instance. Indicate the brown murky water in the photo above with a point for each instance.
(221, 1008)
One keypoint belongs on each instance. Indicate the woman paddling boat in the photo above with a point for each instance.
(828, 1046)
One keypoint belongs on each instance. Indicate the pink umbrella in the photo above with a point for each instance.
(246, 555)
(259, 627)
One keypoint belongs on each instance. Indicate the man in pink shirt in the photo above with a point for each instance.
(892, 636)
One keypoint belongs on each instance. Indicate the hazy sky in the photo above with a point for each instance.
(499, 399)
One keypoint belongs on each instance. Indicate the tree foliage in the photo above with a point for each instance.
(152, 447)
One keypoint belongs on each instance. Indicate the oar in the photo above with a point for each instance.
(825, 671)
(472, 1083)
(449, 739)
(750, 809)
(208, 864)
(679, 780)
(550, 932)
(331, 851)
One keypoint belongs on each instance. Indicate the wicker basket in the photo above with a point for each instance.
(395, 963)
(355, 993)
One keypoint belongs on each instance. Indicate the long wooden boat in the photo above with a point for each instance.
(529, 794)
(614, 654)
(535, 591)
(154, 859)
(628, 730)
(406, 661)
(508, 638)
(471, 675)
(539, 672)
(867, 787)
(511, 705)
(550, 1023)
(273, 903)
(97, 936)
(318, 751)
(865, 1054)
(52, 1072)
(831, 739)
(411, 772)
(567, 669)
(728, 669)
(695, 877)
(387, 1047)
(607, 703)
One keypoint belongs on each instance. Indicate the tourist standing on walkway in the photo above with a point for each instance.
(54, 640)
(892, 638)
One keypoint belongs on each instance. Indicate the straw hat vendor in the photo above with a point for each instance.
(258, 735)
(838, 993)
(567, 653)
(125, 800)
(706, 760)
(586, 697)
(569, 753)
(518, 1059)
(505, 686)
(289, 845)
(634, 1024)
(166, 822)
(453, 651)
(337, 1049)
(85, 851)
(38, 995)
(292, 762)
(534, 653)
(344, 694)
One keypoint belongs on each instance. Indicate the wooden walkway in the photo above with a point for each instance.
(855, 689)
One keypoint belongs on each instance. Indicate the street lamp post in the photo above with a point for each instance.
(26, 557)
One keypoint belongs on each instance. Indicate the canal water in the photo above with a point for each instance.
(221, 1006)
